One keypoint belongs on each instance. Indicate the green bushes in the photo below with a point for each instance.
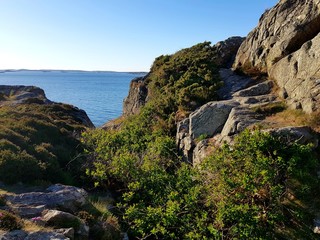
(239, 192)
(38, 144)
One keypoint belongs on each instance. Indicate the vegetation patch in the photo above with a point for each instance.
(38, 143)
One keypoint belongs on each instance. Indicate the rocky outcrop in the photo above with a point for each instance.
(210, 118)
(39, 235)
(136, 98)
(285, 45)
(60, 210)
(226, 51)
(11, 95)
(300, 135)
(281, 31)
(222, 120)
(14, 95)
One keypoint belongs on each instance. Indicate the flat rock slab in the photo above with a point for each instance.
(68, 198)
(232, 83)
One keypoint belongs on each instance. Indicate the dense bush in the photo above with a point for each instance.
(237, 193)
(38, 143)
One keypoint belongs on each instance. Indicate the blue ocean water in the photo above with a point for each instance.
(100, 94)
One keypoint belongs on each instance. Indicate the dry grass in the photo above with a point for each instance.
(290, 117)
(30, 226)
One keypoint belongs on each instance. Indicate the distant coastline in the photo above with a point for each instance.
(64, 71)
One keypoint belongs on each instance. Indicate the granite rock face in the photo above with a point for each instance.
(281, 31)
(222, 120)
(285, 45)
(299, 76)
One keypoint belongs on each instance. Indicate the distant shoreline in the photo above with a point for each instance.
(57, 70)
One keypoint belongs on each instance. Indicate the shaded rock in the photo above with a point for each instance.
(232, 83)
(28, 211)
(210, 118)
(239, 119)
(200, 152)
(46, 236)
(136, 98)
(68, 232)
(226, 51)
(59, 196)
(256, 90)
(13, 235)
(60, 219)
(300, 135)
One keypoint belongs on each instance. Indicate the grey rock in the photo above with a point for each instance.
(68, 232)
(60, 219)
(232, 83)
(226, 51)
(46, 236)
(281, 31)
(28, 211)
(136, 98)
(239, 119)
(59, 196)
(13, 235)
(300, 135)
(21, 94)
(200, 152)
(255, 90)
(298, 74)
(210, 118)
(285, 45)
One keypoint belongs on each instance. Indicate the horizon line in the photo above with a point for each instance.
(65, 70)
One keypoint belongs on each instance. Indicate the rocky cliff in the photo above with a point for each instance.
(285, 46)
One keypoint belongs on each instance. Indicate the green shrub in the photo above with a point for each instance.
(38, 143)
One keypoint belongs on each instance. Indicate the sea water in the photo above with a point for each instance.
(100, 94)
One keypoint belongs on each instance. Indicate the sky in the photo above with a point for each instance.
(115, 35)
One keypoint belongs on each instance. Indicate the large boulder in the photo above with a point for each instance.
(60, 219)
(210, 118)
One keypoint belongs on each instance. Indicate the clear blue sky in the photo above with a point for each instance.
(119, 35)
